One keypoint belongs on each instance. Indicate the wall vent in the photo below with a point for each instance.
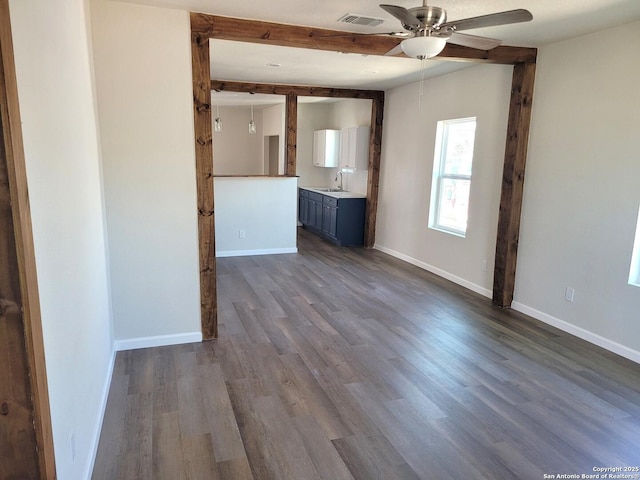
(356, 19)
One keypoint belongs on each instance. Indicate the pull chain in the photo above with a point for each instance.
(423, 66)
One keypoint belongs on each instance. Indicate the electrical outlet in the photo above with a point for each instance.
(241, 233)
(483, 265)
(569, 294)
(72, 444)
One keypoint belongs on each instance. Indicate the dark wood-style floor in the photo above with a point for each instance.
(340, 363)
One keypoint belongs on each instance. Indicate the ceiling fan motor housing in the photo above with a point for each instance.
(431, 17)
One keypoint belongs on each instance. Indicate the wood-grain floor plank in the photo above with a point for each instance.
(226, 439)
(200, 463)
(168, 458)
(191, 402)
(324, 456)
(365, 463)
(136, 460)
(235, 470)
(260, 449)
(165, 387)
(111, 437)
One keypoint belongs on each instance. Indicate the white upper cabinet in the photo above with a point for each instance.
(326, 148)
(354, 148)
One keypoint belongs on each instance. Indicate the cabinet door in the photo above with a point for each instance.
(315, 210)
(361, 147)
(333, 222)
(319, 137)
(330, 216)
(318, 215)
(311, 213)
(349, 146)
(314, 213)
(354, 148)
(303, 207)
(326, 148)
(326, 218)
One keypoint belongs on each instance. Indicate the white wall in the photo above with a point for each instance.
(52, 51)
(311, 117)
(407, 166)
(235, 150)
(263, 208)
(582, 189)
(145, 106)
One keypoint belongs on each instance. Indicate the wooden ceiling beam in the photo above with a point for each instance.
(300, 91)
(503, 55)
(268, 33)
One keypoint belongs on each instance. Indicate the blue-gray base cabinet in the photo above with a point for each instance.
(339, 220)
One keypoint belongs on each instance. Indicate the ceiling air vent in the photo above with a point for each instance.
(356, 19)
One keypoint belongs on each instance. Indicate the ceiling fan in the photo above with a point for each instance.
(428, 30)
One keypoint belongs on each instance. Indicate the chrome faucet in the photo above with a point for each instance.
(339, 173)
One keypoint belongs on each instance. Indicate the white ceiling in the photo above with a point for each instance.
(553, 20)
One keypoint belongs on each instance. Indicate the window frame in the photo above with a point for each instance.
(440, 175)
(634, 269)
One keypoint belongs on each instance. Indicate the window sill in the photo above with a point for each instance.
(455, 233)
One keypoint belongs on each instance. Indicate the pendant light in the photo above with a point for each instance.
(252, 124)
(217, 123)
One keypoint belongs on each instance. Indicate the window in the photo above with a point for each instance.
(634, 273)
(452, 175)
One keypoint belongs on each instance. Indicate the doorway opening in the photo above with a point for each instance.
(271, 154)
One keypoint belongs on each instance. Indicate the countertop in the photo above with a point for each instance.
(338, 194)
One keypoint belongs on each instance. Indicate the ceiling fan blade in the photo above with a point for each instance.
(404, 15)
(397, 50)
(473, 41)
(490, 20)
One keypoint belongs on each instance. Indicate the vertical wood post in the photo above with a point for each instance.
(513, 183)
(292, 133)
(375, 147)
(24, 397)
(204, 179)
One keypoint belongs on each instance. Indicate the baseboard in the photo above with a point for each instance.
(158, 341)
(579, 332)
(246, 253)
(93, 449)
(441, 273)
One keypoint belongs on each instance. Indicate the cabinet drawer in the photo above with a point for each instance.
(316, 197)
(331, 202)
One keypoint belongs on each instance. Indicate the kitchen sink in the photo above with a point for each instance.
(329, 190)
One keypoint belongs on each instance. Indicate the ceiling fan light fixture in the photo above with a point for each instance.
(423, 47)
